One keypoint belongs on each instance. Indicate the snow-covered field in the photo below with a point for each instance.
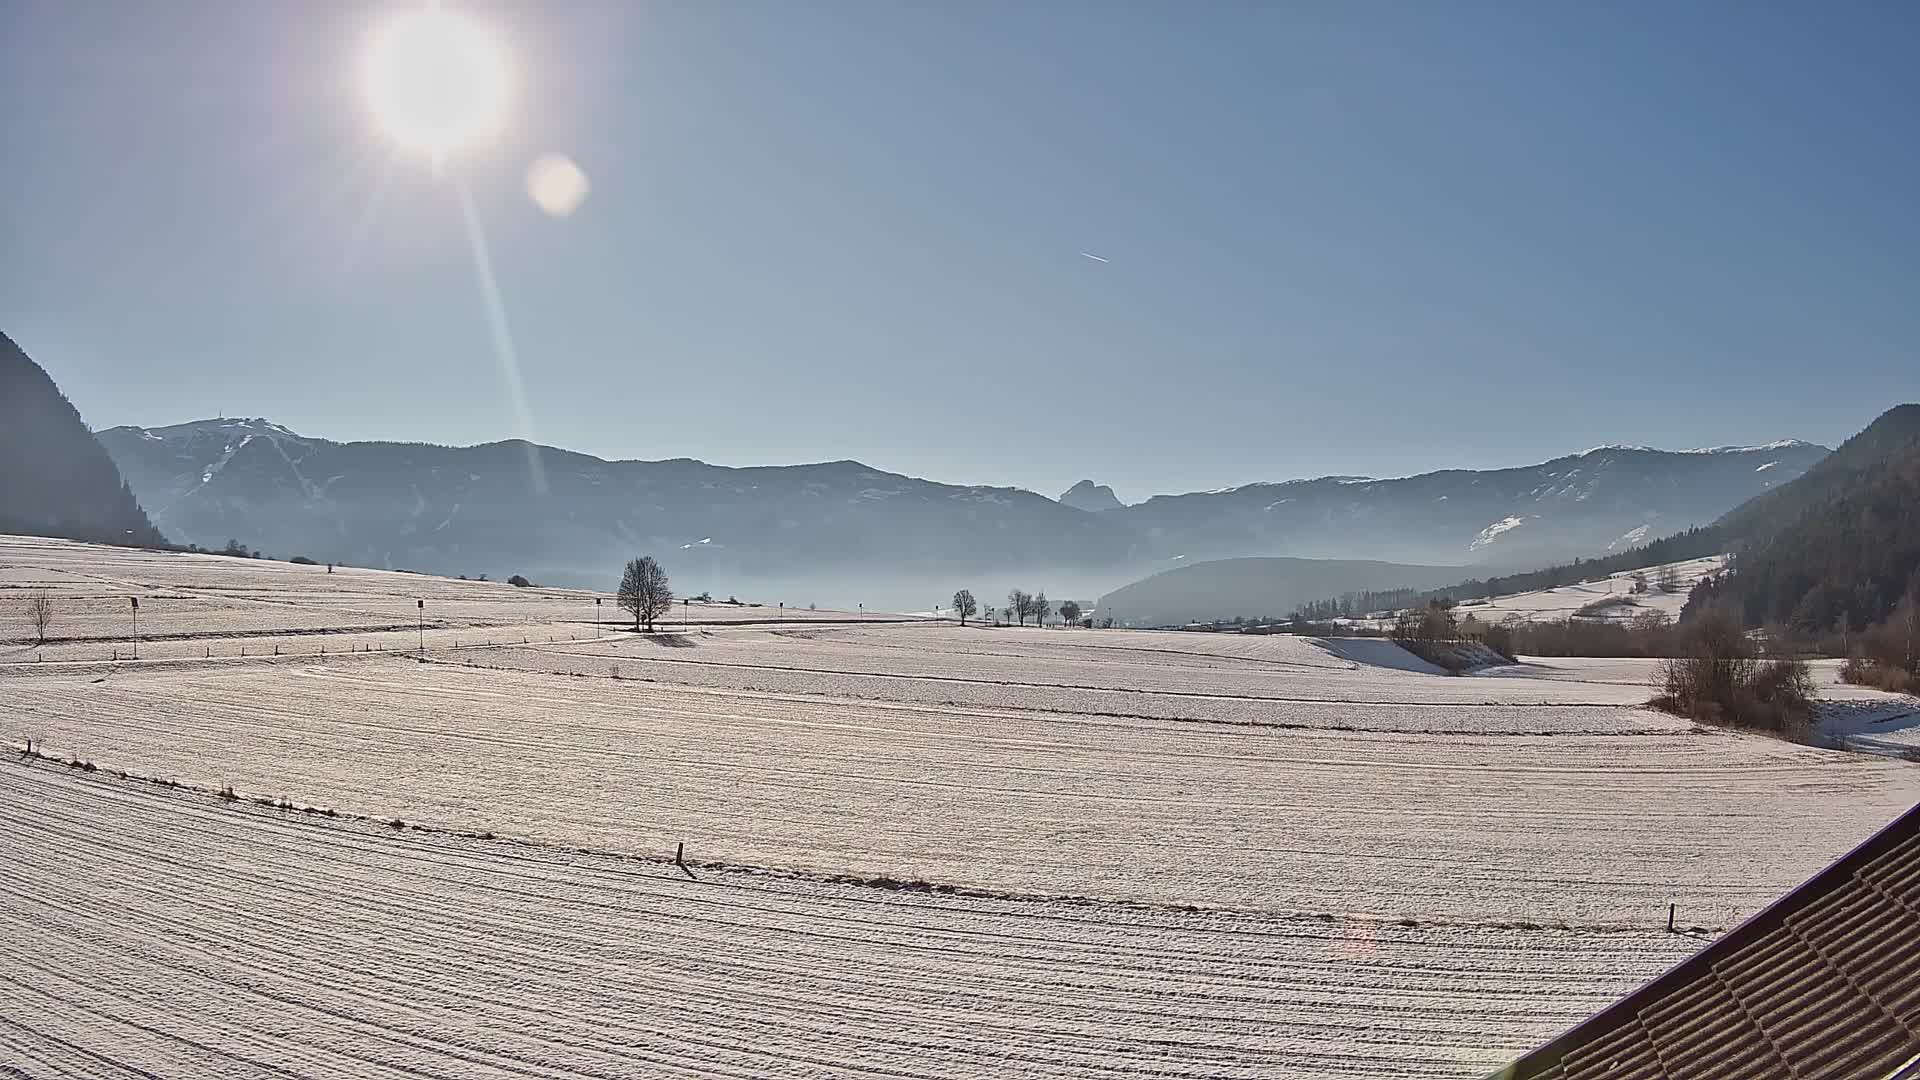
(177, 935)
(1614, 592)
(1874, 724)
(1175, 854)
(200, 605)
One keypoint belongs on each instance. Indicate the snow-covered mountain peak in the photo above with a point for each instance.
(1758, 448)
(226, 426)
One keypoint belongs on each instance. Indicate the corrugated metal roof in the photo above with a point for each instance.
(1825, 983)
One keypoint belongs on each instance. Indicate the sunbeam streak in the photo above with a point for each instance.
(502, 334)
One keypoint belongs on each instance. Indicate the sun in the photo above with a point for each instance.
(436, 81)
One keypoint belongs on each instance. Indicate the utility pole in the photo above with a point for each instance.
(1913, 604)
(136, 626)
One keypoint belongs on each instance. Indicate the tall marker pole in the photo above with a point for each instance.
(136, 626)
(422, 606)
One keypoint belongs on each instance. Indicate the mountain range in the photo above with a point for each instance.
(1604, 499)
(562, 517)
(1836, 548)
(1822, 537)
(843, 530)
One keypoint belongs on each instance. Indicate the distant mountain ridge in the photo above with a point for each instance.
(1829, 542)
(476, 509)
(457, 509)
(55, 480)
(1606, 498)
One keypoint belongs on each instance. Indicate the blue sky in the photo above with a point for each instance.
(1344, 237)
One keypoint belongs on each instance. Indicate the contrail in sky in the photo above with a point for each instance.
(1094, 257)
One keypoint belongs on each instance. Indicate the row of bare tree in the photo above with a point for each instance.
(1021, 606)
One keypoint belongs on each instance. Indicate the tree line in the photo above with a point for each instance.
(1842, 578)
(1021, 606)
(1356, 603)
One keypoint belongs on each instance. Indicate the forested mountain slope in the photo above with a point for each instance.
(55, 479)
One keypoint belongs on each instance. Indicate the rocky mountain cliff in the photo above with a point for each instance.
(1091, 497)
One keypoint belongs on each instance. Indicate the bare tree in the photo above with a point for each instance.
(1070, 613)
(964, 605)
(1041, 609)
(1019, 605)
(644, 591)
(1433, 622)
(40, 615)
(1719, 678)
(1668, 580)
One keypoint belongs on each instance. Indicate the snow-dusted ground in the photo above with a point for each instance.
(1888, 725)
(154, 932)
(1546, 605)
(1380, 653)
(1397, 807)
(198, 605)
(1102, 671)
(1188, 854)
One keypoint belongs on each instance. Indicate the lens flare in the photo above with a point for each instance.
(556, 184)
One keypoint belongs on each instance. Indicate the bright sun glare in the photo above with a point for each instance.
(436, 81)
